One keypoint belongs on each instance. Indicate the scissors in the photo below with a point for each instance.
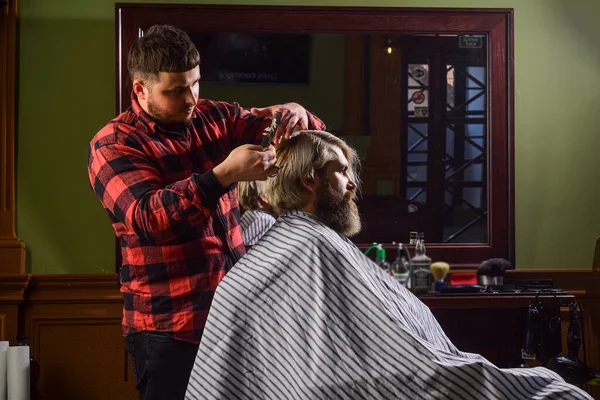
(269, 132)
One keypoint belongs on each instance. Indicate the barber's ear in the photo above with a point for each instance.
(139, 89)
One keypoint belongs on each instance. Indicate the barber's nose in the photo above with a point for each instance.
(191, 97)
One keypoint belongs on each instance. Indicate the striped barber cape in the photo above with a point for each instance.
(305, 315)
(254, 224)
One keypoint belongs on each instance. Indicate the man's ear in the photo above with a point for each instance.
(310, 183)
(263, 200)
(140, 89)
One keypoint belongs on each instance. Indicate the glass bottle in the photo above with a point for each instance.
(401, 266)
(421, 278)
(380, 259)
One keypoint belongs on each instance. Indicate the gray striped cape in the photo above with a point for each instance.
(254, 224)
(305, 315)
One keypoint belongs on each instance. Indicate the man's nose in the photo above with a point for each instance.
(191, 97)
(351, 185)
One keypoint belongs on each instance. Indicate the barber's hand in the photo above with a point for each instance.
(247, 163)
(293, 118)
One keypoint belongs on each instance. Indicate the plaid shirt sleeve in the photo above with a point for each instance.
(130, 187)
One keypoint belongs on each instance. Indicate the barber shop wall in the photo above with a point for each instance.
(67, 93)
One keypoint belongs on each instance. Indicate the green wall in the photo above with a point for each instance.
(67, 93)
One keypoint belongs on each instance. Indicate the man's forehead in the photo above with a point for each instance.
(179, 78)
(336, 157)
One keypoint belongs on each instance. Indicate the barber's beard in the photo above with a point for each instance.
(166, 119)
(338, 211)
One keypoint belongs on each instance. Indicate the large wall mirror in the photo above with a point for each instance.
(424, 95)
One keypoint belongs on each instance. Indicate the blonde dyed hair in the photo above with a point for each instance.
(249, 194)
(300, 158)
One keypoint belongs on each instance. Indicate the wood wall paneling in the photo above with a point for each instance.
(74, 326)
(12, 250)
(12, 288)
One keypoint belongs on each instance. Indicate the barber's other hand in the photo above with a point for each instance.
(247, 163)
(293, 118)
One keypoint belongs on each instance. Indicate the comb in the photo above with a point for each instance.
(269, 132)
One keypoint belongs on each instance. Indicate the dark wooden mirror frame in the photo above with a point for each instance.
(131, 19)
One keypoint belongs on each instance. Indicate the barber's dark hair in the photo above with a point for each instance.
(162, 48)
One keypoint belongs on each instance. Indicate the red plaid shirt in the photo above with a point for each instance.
(179, 229)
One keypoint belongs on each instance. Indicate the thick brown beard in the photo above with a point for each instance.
(339, 212)
(159, 116)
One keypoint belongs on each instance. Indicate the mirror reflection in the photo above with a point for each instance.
(414, 107)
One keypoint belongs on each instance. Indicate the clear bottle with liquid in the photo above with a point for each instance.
(401, 266)
(421, 278)
(380, 259)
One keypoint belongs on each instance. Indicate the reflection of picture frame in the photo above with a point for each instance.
(253, 58)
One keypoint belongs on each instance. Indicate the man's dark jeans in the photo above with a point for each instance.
(161, 364)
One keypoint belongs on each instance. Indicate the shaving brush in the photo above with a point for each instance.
(439, 270)
(491, 272)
